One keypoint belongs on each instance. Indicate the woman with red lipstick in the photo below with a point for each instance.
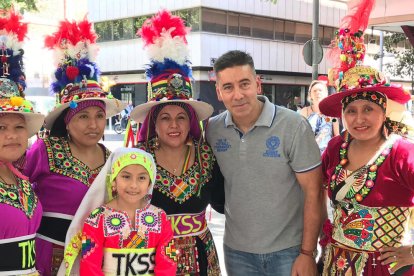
(369, 176)
(64, 165)
(188, 177)
(20, 209)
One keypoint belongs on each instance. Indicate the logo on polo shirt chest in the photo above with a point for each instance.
(222, 145)
(272, 144)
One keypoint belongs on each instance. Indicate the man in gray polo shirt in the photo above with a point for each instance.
(271, 165)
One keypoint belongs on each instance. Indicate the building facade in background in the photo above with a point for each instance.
(274, 34)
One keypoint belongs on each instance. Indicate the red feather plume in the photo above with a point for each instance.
(13, 24)
(86, 31)
(72, 32)
(358, 15)
(161, 22)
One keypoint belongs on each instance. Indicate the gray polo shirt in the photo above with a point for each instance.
(264, 201)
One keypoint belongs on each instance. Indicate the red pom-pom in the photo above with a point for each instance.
(72, 72)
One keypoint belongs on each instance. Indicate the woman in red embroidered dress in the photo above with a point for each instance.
(369, 175)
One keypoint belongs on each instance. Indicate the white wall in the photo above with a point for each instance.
(268, 55)
(299, 10)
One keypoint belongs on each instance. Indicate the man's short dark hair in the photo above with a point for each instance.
(231, 59)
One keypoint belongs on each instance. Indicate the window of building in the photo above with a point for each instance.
(290, 30)
(103, 30)
(214, 21)
(245, 25)
(320, 34)
(303, 32)
(262, 27)
(233, 23)
(139, 21)
(123, 29)
(287, 95)
(279, 29)
(328, 35)
(191, 18)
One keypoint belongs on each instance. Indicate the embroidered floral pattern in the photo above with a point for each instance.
(181, 188)
(117, 223)
(369, 175)
(62, 162)
(20, 196)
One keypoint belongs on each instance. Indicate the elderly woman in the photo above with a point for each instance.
(64, 165)
(20, 209)
(324, 127)
(369, 175)
(188, 177)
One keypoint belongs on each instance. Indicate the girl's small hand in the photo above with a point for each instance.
(396, 257)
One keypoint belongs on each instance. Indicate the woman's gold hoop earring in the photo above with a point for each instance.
(156, 142)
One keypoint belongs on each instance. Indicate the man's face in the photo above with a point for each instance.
(237, 87)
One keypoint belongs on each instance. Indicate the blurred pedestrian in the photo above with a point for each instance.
(323, 127)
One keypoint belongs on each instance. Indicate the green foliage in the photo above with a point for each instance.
(21, 5)
(404, 58)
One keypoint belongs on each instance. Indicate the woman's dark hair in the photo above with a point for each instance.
(58, 128)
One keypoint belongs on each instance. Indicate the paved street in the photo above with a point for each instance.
(216, 223)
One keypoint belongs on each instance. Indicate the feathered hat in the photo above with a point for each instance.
(12, 78)
(347, 54)
(77, 74)
(169, 71)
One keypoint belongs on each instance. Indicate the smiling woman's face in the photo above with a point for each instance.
(13, 137)
(172, 126)
(364, 119)
(87, 126)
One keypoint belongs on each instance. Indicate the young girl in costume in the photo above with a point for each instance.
(127, 235)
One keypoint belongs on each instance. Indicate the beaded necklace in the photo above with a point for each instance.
(371, 169)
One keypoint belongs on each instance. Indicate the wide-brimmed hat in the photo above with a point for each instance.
(361, 79)
(348, 74)
(169, 71)
(12, 78)
(77, 74)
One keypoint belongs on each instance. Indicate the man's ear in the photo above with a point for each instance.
(259, 85)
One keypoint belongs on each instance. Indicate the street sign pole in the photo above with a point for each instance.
(315, 39)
